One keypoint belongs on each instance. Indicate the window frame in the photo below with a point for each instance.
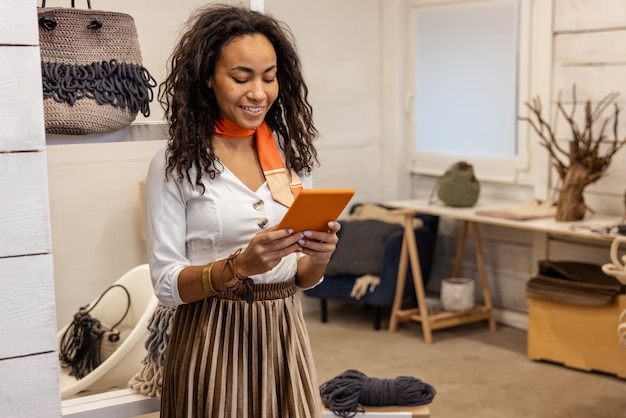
(531, 77)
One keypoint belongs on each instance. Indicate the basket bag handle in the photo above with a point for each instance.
(43, 3)
(50, 24)
(104, 293)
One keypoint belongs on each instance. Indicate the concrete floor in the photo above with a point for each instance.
(477, 374)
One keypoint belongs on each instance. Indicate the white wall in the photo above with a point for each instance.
(28, 363)
(340, 46)
(95, 213)
(353, 53)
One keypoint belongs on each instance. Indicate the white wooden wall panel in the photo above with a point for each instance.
(595, 64)
(610, 203)
(27, 306)
(18, 23)
(21, 106)
(585, 251)
(24, 221)
(592, 82)
(29, 387)
(614, 180)
(575, 15)
(590, 48)
(28, 362)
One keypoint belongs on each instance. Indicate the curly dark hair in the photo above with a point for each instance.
(191, 108)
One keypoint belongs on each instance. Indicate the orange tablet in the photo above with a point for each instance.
(314, 208)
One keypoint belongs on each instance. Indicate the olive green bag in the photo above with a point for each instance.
(458, 186)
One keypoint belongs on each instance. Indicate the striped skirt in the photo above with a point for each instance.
(230, 359)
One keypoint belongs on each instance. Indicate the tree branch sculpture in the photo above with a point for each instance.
(584, 162)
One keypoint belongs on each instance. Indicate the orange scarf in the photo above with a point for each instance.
(279, 180)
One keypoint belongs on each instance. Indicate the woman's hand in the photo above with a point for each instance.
(318, 248)
(320, 245)
(265, 251)
(267, 248)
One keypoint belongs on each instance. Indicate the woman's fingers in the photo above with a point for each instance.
(266, 249)
(320, 246)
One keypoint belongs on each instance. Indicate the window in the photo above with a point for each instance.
(467, 85)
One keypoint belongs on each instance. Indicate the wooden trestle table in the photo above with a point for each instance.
(470, 220)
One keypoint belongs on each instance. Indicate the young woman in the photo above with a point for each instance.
(240, 148)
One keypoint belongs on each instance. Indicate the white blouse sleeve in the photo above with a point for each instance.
(165, 231)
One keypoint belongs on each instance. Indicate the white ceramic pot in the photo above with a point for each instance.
(457, 294)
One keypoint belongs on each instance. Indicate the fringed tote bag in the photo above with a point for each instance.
(87, 342)
(92, 73)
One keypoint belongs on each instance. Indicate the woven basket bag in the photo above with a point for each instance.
(92, 74)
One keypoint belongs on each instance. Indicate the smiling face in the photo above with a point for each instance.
(244, 83)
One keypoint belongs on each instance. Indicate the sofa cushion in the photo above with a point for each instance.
(361, 247)
(374, 211)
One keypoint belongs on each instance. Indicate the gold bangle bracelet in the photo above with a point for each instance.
(207, 283)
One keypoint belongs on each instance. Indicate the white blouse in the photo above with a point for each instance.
(185, 227)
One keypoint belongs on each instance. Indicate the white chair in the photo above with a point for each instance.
(125, 362)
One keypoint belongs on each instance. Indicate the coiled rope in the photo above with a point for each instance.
(346, 394)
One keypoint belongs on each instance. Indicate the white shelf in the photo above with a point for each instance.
(135, 132)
